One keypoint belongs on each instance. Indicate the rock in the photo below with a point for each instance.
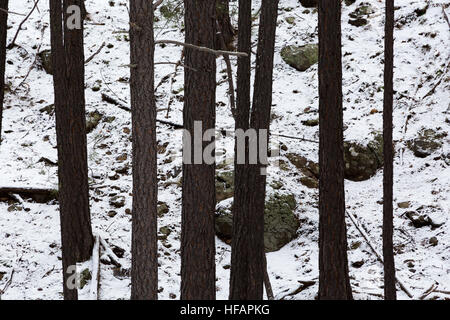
(163, 208)
(311, 122)
(312, 183)
(307, 167)
(421, 220)
(117, 201)
(349, 2)
(224, 185)
(301, 57)
(433, 241)
(309, 3)
(93, 120)
(45, 58)
(280, 223)
(358, 264)
(85, 277)
(358, 18)
(362, 162)
(165, 231)
(426, 143)
(112, 213)
(404, 204)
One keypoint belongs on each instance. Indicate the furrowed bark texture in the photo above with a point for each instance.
(334, 281)
(388, 149)
(144, 270)
(198, 271)
(68, 59)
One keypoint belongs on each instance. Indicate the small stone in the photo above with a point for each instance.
(358, 264)
(433, 241)
(122, 157)
(404, 204)
(117, 201)
(112, 214)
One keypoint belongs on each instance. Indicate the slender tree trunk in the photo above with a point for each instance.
(144, 271)
(388, 175)
(334, 280)
(248, 223)
(242, 250)
(68, 59)
(198, 271)
(3, 32)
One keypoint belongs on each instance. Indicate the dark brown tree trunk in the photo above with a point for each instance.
(225, 26)
(388, 175)
(68, 59)
(248, 223)
(334, 281)
(144, 271)
(3, 32)
(198, 271)
(242, 236)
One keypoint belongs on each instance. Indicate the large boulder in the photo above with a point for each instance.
(280, 222)
(301, 57)
(361, 162)
(427, 141)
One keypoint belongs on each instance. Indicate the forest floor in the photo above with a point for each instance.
(29, 232)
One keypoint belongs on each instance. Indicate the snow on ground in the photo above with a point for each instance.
(30, 240)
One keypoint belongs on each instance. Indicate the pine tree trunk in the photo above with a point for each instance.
(3, 32)
(248, 229)
(198, 271)
(144, 271)
(388, 228)
(68, 58)
(334, 280)
(241, 275)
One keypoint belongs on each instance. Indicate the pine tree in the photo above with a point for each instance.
(248, 225)
(198, 271)
(241, 246)
(3, 32)
(334, 280)
(144, 271)
(68, 59)
(388, 149)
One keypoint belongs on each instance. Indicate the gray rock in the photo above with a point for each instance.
(301, 57)
(426, 143)
(358, 17)
(280, 223)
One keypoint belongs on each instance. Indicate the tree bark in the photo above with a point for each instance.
(3, 33)
(241, 246)
(334, 280)
(248, 261)
(388, 175)
(68, 58)
(198, 271)
(144, 271)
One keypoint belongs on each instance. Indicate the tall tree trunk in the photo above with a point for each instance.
(241, 247)
(144, 271)
(225, 26)
(388, 175)
(3, 32)
(68, 59)
(248, 222)
(198, 271)
(334, 280)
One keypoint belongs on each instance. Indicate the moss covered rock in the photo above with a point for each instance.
(301, 57)
(45, 58)
(280, 222)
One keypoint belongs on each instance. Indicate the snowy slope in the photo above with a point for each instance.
(29, 233)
